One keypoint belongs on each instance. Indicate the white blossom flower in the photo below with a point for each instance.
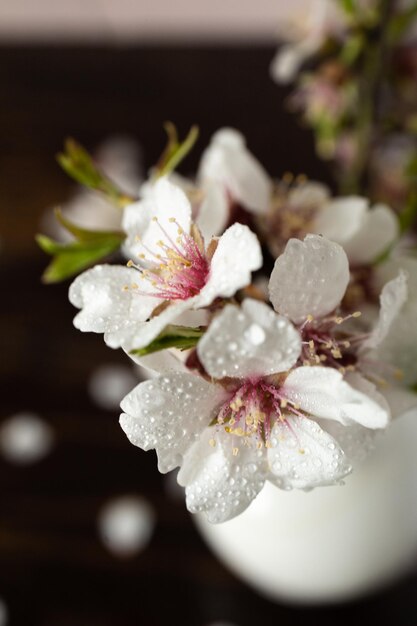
(255, 421)
(307, 285)
(306, 30)
(228, 162)
(174, 269)
(210, 205)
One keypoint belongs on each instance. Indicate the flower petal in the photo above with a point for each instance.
(214, 211)
(309, 194)
(309, 278)
(105, 306)
(161, 362)
(304, 456)
(217, 483)
(146, 332)
(364, 233)
(322, 392)
(341, 219)
(228, 161)
(251, 341)
(399, 348)
(379, 230)
(169, 413)
(151, 219)
(357, 442)
(392, 298)
(237, 255)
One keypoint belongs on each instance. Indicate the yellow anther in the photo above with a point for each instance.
(172, 220)
(301, 451)
(125, 288)
(154, 219)
(301, 178)
(309, 318)
(130, 263)
(235, 451)
(356, 314)
(311, 344)
(259, 445)
(287, 177)
(212, 442)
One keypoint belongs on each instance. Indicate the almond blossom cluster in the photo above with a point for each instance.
(285, 376)
(352, 65)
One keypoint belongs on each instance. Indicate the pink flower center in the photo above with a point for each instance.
(178, 270)
(252, 411)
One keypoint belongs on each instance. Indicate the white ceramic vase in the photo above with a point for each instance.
(334, 543)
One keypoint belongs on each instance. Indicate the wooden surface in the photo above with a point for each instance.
(54, 571)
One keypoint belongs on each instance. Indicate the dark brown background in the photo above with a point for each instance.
(53, 569)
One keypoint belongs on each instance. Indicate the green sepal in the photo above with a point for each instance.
(79, 165)
(175, 151)
(181, 337)
(71, 258)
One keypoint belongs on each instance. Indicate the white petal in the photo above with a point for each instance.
(309, 194)
(357, 442)
(364, 233)
(373, 411)
(169, 413)
(392, 298)
(163, 201)
(399, 348)
(322, 392)
(341, 219)
(304, 456)
(379, 230)
(214, 211)
(288, 61)
(217, 483)
(229, 162)
(251, 341)
(161, 362)
(237, 255)
(309, 278)
(105, 306)
(146, 332)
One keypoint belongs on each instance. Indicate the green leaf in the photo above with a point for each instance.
(175, 151)
(349, 6)
(352, 48)
(79, 165)
(181, 337)
(71, 258)
(399, 23)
